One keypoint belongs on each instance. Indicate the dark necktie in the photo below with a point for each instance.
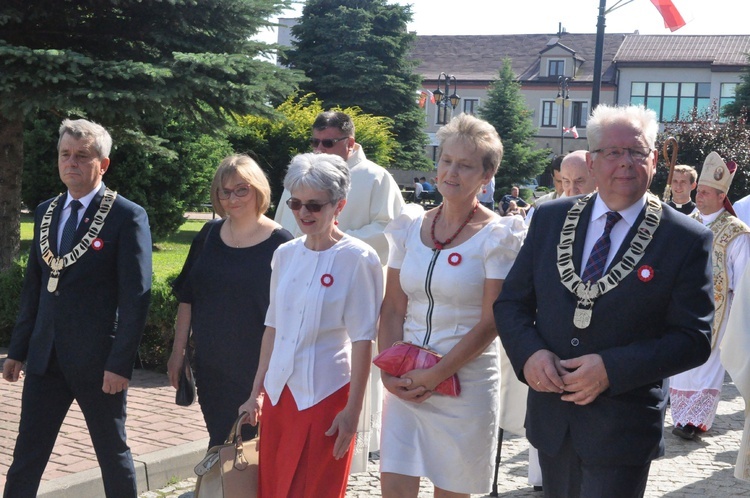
(598, 258)
(69, 230)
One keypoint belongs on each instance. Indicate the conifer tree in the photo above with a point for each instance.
(354, 53)
(125, 62)
(506, 110)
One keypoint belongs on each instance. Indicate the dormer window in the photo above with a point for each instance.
(555, 68)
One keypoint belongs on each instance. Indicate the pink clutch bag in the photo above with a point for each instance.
(403, 357)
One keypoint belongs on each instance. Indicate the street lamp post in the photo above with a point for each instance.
(562, 100)
(445, 98)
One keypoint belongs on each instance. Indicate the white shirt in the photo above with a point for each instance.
(742, 209)
(316, 324)
(85, 201)
(618, 233)
(373, 201)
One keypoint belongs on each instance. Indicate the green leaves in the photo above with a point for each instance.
(506, 110)
(354, 53)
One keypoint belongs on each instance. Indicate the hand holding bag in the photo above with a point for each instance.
(185, 395)
(230, 470)
(404, 357)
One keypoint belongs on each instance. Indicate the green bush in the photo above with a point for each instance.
(156, 343)
(11, 281)
(526, 194)
(157, 336)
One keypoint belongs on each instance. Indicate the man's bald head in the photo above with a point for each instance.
(575, 174)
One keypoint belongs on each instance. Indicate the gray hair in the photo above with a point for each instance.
(324, 172)
(477, 132)
(82, 128)
(637, 116)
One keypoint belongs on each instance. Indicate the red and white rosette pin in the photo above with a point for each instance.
(454, 259)
(645, 273)
(97, 244)
(326, 280)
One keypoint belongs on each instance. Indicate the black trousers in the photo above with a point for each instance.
(45, 401)
(565, 475)
(220, 398)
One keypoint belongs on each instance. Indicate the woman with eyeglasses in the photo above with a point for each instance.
(326, 290)
(445, 270)
(223, 294)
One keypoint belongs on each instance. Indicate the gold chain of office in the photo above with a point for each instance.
(587, 293)
(58, 263)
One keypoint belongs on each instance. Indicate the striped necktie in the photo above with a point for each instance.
(595, 265)
(69, 230)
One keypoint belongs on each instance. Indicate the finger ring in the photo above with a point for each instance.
(538, 382)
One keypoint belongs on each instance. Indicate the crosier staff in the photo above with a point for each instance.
(671, 161)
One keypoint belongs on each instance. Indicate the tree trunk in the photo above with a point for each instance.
(11, 166)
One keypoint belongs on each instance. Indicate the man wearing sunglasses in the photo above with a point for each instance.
(375, 198)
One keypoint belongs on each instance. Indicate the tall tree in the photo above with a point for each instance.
(355, 54)
(123, 63)
(506, 110)
(741, 105)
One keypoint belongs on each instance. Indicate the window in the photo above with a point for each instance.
(556, 68)
(672, 101)
(471, 106)
(727, 94)
(580, 114)
(549, 114)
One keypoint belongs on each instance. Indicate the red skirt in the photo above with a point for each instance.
(296, 457)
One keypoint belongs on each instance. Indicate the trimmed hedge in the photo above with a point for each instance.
(156, 343)
(11, 281)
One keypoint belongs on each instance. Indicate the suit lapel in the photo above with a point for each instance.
(580, 240)
(88, 216)
(628, 238)
(54, 227)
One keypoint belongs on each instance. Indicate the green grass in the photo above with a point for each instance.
(169, 253)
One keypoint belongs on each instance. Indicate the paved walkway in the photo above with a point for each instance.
(163, 437)
(167, 441)
(700, 468)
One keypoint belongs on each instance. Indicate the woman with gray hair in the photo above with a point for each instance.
(326, 290)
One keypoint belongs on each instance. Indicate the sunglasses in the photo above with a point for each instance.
(226, 193)
(327, 142)
(296, 205)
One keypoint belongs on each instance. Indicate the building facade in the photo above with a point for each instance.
(671, 74)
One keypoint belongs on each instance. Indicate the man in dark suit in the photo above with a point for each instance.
(610, 294)
(84, 303)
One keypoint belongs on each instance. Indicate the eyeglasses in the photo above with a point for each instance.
(327, 142)
(616, 153)
(296, 205)
(226, 193)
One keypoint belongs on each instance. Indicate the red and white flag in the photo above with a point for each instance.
(672, 17)
(423, 95)
(572, 131)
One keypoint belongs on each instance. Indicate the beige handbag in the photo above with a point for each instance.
(229, 470)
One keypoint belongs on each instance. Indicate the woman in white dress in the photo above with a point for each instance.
(446, 268)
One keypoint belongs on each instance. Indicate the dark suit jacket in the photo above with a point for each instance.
(644, 332)
(96, 317)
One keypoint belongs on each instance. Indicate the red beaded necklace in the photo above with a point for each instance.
(441, 245)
